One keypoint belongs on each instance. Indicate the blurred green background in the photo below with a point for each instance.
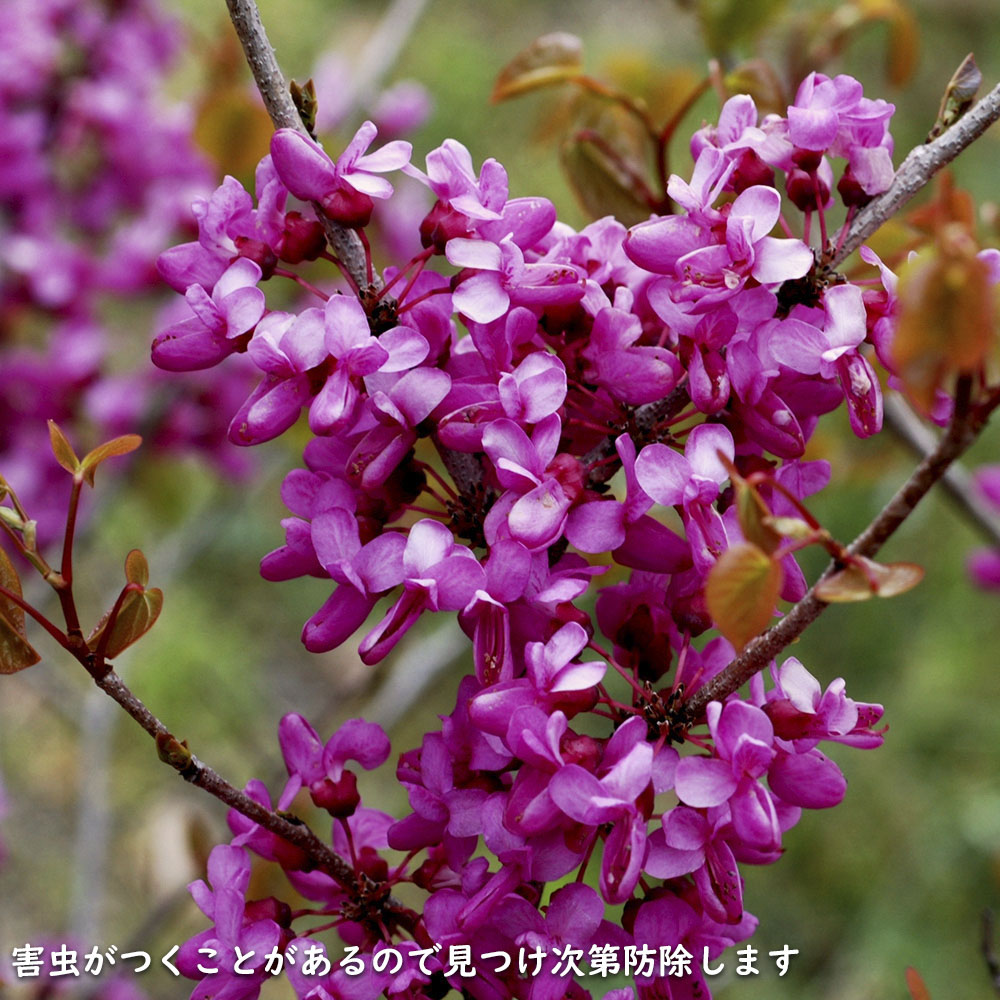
(102, 838)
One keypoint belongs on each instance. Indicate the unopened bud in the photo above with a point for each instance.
(302, 239)
(339, 798)
(348, 207)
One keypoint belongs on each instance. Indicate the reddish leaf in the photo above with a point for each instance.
(601, 185)
(916, 986)
(16, 653)
(854, 583)
(947, 315)
(758, 79)
(62, 449)
(136, 568)
(136, 616)
(741, 592)
(547, 60)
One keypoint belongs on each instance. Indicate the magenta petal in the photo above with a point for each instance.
(704, 781)
(301, 747)
(582, 797)
(597, 526)
(810, 780)
(664, 861)
(780, 260)
(337, 620)
(302, 165)
(358, 740)
(537, 517)
(481, 297)
(662, 474)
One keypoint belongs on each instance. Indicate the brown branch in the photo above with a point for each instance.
(917, 169)
(177, 755)
(191, 769)
(281, 108)
(962, 431)
(956, 482)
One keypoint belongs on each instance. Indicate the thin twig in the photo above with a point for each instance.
(962, 431)
(202, 776)
(917, 169)
(281, 108)
(956, 482)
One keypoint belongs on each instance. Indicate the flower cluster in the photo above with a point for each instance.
(96, 174)
(491, 438)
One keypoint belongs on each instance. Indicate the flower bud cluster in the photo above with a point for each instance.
(497, 423)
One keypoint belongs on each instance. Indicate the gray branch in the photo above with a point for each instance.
(917, 169)
(281, 108)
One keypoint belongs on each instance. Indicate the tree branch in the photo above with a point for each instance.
(964, 428)
(956, 482)
(191, 769)
(281, 108)
(917, 169)
(177, 755)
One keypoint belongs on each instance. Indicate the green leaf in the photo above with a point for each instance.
(741, 592)
(62, 449)
(600, 184)
(136, 568)
(866, 578)
(915, 984)
(136, 616)
(548, 60)
(110, 449)
(16, 653)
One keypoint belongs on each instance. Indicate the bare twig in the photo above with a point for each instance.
(281, 108)
(963, 430)
(917, 169)
(956, 482)
(194, 771)
(316, 855)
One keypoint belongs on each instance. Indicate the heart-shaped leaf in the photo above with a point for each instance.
(136, 568)
(136, 616)
(741, 592)
(547, 60)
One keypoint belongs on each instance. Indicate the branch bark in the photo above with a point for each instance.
(203, 776)
(281, 108)
(961, 432)
(917, 169)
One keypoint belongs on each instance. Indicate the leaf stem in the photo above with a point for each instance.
(964, 428)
